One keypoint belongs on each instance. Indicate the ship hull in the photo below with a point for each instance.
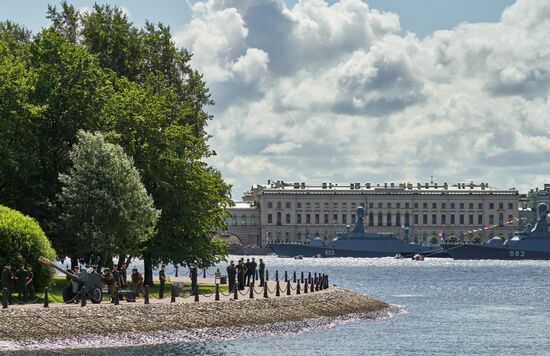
(483, 252)
(290, 250)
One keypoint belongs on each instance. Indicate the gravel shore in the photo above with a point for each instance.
(39, 323)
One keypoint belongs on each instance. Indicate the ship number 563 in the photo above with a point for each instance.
(517, 253)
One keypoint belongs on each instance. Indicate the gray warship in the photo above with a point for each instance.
(532, 244)
(357, 243)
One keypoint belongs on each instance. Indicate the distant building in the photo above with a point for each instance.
(531, 200)
(297, 212)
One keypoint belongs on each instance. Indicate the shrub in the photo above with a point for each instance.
(476, 239)
(453, 239)
(434, 240)
(23, 241)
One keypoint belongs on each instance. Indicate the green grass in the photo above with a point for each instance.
(55, 290)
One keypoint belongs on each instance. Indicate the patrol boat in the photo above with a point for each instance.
(357, 243)
(525, 245)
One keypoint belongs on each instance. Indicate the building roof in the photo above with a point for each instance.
(242, 205)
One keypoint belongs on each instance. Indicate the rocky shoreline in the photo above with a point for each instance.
(65, 322)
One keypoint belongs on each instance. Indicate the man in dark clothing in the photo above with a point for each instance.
(162, 281)
(241, 274)
(247, 276)
(193, 274)
(21, 276)
(252, 271)
(261, 271)
(7, 281)
(123, 274)
(231, 274)
(30, 286)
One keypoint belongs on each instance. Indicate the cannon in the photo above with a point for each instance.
(92, 281)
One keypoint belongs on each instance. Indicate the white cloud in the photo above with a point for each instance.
(321, 92)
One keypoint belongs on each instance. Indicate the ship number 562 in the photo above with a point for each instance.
(517, 253)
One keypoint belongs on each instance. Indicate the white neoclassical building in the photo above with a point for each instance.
(281, 211)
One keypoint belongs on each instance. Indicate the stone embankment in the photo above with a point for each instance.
(65, 322)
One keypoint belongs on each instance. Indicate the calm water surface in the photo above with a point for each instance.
(452, 307)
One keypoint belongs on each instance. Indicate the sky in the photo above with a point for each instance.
(364, 91)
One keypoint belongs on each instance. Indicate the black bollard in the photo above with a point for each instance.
(311, 286)
(266, 275)
(317, 286)
(326, 281)
(257, 275)
(235, 292)
(287, 287)
(251, 287)
(302, 277)
(83, 296)
(116, 298)
(298, 288)
(315, 278)
(146, 296)
(196, 293)
(217, 291)
(309, 277)
(5, 300)
(265, 291)
(46, 298)
(176, 270)
(277, 290)
(286, 276)
(305, 287)
(204, 273)
(294, 277)
(173, 294)
(276, 276)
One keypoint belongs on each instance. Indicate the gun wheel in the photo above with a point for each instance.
(96, 295)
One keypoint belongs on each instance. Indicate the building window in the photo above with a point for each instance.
(510, 205)
(398, 218)
(317, 205)
(470, 219)
(480, 219)
(491, 219)
(434, 205)
(389, 205)
(371, 205)
(298, 218)
(388, 219)
(287, 220)
(434, 219)
(380, 222)
(443, 219)
(510, 219)
(344, 219)
(398, 205)
(461, 219)
(317, 219)
(379, 205)
(308, 218)
(415, 219)
(353, 205)
(424, 205)
(443, 205)
(425, 219)
(471, 206)
(344, 205)
(452, 205)
(407, 205)
(279, 205)
(480, 205)
(270, 218)
(353, 219)
(453, 222)
(407, 222)
(335, 205)
(335, 219)
(326, 205)
(299, 205)
(416, 205)
(501, 205)
(461, 205)
(371, 219)
(243, 220)
(501, 218)
(308, 205)
(491, 205)
(270, 205)
(279, 218)
(325, 218)
(288, 205)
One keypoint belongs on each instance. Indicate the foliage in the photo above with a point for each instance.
(23, 241)
(104, 208)
(476, 239)
(453, 239)
(434, 240)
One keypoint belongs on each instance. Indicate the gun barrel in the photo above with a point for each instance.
(52, 264)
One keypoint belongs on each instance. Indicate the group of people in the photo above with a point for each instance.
(22, 280)
(244, 273)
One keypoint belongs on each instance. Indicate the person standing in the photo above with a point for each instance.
(241, 274)
(123, 274)
(231, 274)
(193, 274)
(21, 276)
(116, 275)
(252, 272)
(162, 281)
(137, 282)
(261, 271)
(30, 280)
(247, 276)
(7, 281)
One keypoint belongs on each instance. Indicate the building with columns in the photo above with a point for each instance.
(296, 212)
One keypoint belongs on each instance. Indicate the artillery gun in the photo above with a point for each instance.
(91, 281)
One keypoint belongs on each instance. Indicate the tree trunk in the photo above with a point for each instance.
(148, 269)
(74, 262)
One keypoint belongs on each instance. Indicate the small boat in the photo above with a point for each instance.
(398, 256)
(418, 257)
(299, 257)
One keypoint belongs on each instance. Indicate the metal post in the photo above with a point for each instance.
(173, 294)
(317, 286)
(326, 281)
(46, 298)
(5, 300)
(287, 287)
(315, 278)
(309, 277)
(276, 275)
(146, 296)
(265, 291)
(311, 286)
(204, 273)
(196, 293)
(176, 270)
(305, 287)
(235, 292)
(298, 288)
(286, 276)
(217, 291)
(294, 277)
(83, 296)
(266, 275)
(251, 288)
(257, 276)
(116, 298)
(277, 290)
(302, 277)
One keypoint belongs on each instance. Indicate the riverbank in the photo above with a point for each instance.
(65, 322)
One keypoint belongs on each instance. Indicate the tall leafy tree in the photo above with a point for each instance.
(105, 209)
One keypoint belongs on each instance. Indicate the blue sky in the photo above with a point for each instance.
(421, 17)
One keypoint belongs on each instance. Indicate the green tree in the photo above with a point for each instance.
(23, 241)
(453, 239)
(476, 239)
(105, 209)
(434, 240)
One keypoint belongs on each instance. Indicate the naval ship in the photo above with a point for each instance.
(525, 245)
(358, 243)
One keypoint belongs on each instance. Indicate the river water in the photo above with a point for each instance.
(448, 307)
